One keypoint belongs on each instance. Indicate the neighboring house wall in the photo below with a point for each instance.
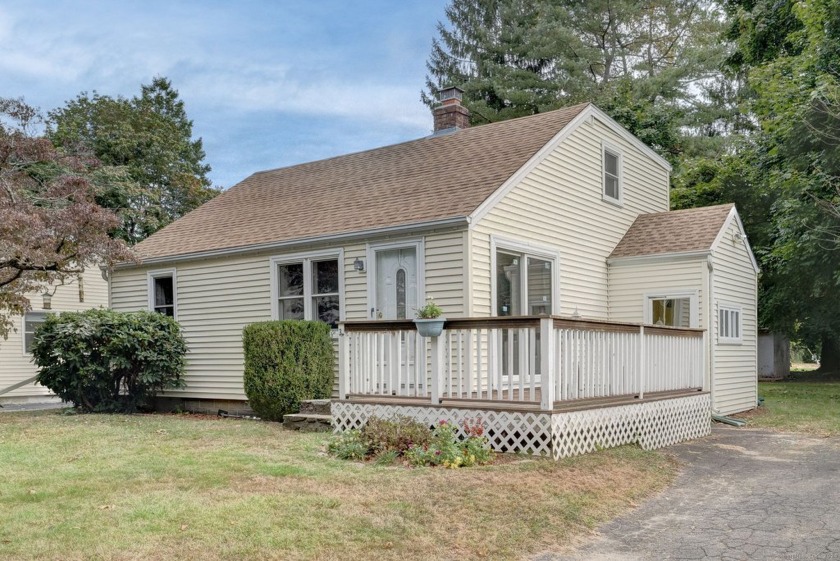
(216, 298)
(559, 206)
(735, 284)
(15, 364)
(631, 282)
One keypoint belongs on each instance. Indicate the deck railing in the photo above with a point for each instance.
(527, 360)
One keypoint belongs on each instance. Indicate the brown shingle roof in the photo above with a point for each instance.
(429, 179)
(677, 231)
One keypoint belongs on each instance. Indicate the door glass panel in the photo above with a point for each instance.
(539, 286)
(400, 287)
(508, 284)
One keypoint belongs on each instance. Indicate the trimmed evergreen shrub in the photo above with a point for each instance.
(106, 361)
(286, 362)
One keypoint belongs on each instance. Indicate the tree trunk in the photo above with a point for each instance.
(830, 355)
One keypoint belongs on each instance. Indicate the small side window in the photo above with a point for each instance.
(163, 293)
(612, 175)
(31, 321)
(729, 325)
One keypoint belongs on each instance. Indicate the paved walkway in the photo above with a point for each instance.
(9, 407)
(743, 494)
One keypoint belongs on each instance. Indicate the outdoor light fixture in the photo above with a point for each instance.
(359, 265)
(47, 301)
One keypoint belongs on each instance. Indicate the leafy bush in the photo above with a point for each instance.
(384, 441)
(447, 450)
(102, 360)
(397, 435)
(348, 446)
(286, 362)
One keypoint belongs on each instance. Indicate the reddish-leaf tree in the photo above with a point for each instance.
(51, 228)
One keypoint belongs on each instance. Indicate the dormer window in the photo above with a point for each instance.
(611, 163)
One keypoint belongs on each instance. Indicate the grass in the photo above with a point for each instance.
(110, 487)
(806, 402)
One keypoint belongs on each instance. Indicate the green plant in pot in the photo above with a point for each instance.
(430, 319)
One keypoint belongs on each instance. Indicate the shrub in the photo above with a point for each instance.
(385, 441)
(396, 435)
(286, 362)
(348, 446)
(102, 360)
(447, 450)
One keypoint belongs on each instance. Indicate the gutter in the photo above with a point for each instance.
(270, 246)
(641, 259)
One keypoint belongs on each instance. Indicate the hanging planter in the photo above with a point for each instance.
(430, 327)
(430, 320)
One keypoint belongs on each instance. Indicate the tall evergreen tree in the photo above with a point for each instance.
(154, 170)
(642, 62)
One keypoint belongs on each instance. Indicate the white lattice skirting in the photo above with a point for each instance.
(650, 424)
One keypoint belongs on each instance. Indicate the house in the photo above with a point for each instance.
(88, 290)
(546, 240)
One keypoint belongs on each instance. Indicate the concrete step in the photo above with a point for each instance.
(308, 422)
(316, 406)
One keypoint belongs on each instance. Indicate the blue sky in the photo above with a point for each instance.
(267, 84)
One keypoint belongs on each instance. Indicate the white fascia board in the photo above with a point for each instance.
(659, 257)
(590, 112)
(278, 246)
(734, 216)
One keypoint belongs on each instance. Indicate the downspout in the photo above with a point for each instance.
(710, 323)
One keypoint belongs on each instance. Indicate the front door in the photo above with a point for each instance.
(396, 284)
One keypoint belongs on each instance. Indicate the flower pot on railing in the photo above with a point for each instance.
(430, 327)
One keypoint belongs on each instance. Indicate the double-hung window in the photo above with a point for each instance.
(729, 324)
(31, 321)
(611, 162)
(163, 292)
(308, 288)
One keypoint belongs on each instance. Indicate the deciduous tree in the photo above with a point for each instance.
(155, 171)
(51, 228)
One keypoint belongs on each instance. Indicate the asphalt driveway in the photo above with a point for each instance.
(743, 494)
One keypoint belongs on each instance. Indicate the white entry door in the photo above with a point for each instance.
(396, 283)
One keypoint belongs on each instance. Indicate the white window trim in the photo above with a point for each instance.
(150, 288)
(23, 329)
(419, 245)
(498, 243)
(306, 258)
(732, 308)
(693, 304)
(615, 151)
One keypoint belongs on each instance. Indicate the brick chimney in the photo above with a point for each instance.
(450, 115)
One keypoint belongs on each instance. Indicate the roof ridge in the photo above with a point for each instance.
(429, 137)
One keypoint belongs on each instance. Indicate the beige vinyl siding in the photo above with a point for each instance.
(217, 298)
(15, 365)
(445, 272)
(631, 282)
(559, 206)
(734, 281)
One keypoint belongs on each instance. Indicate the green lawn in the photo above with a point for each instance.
(84, 487)
(809, 402)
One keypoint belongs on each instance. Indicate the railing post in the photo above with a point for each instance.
(343, 363)
(437, 367)
(642, 362)
(547, 372)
